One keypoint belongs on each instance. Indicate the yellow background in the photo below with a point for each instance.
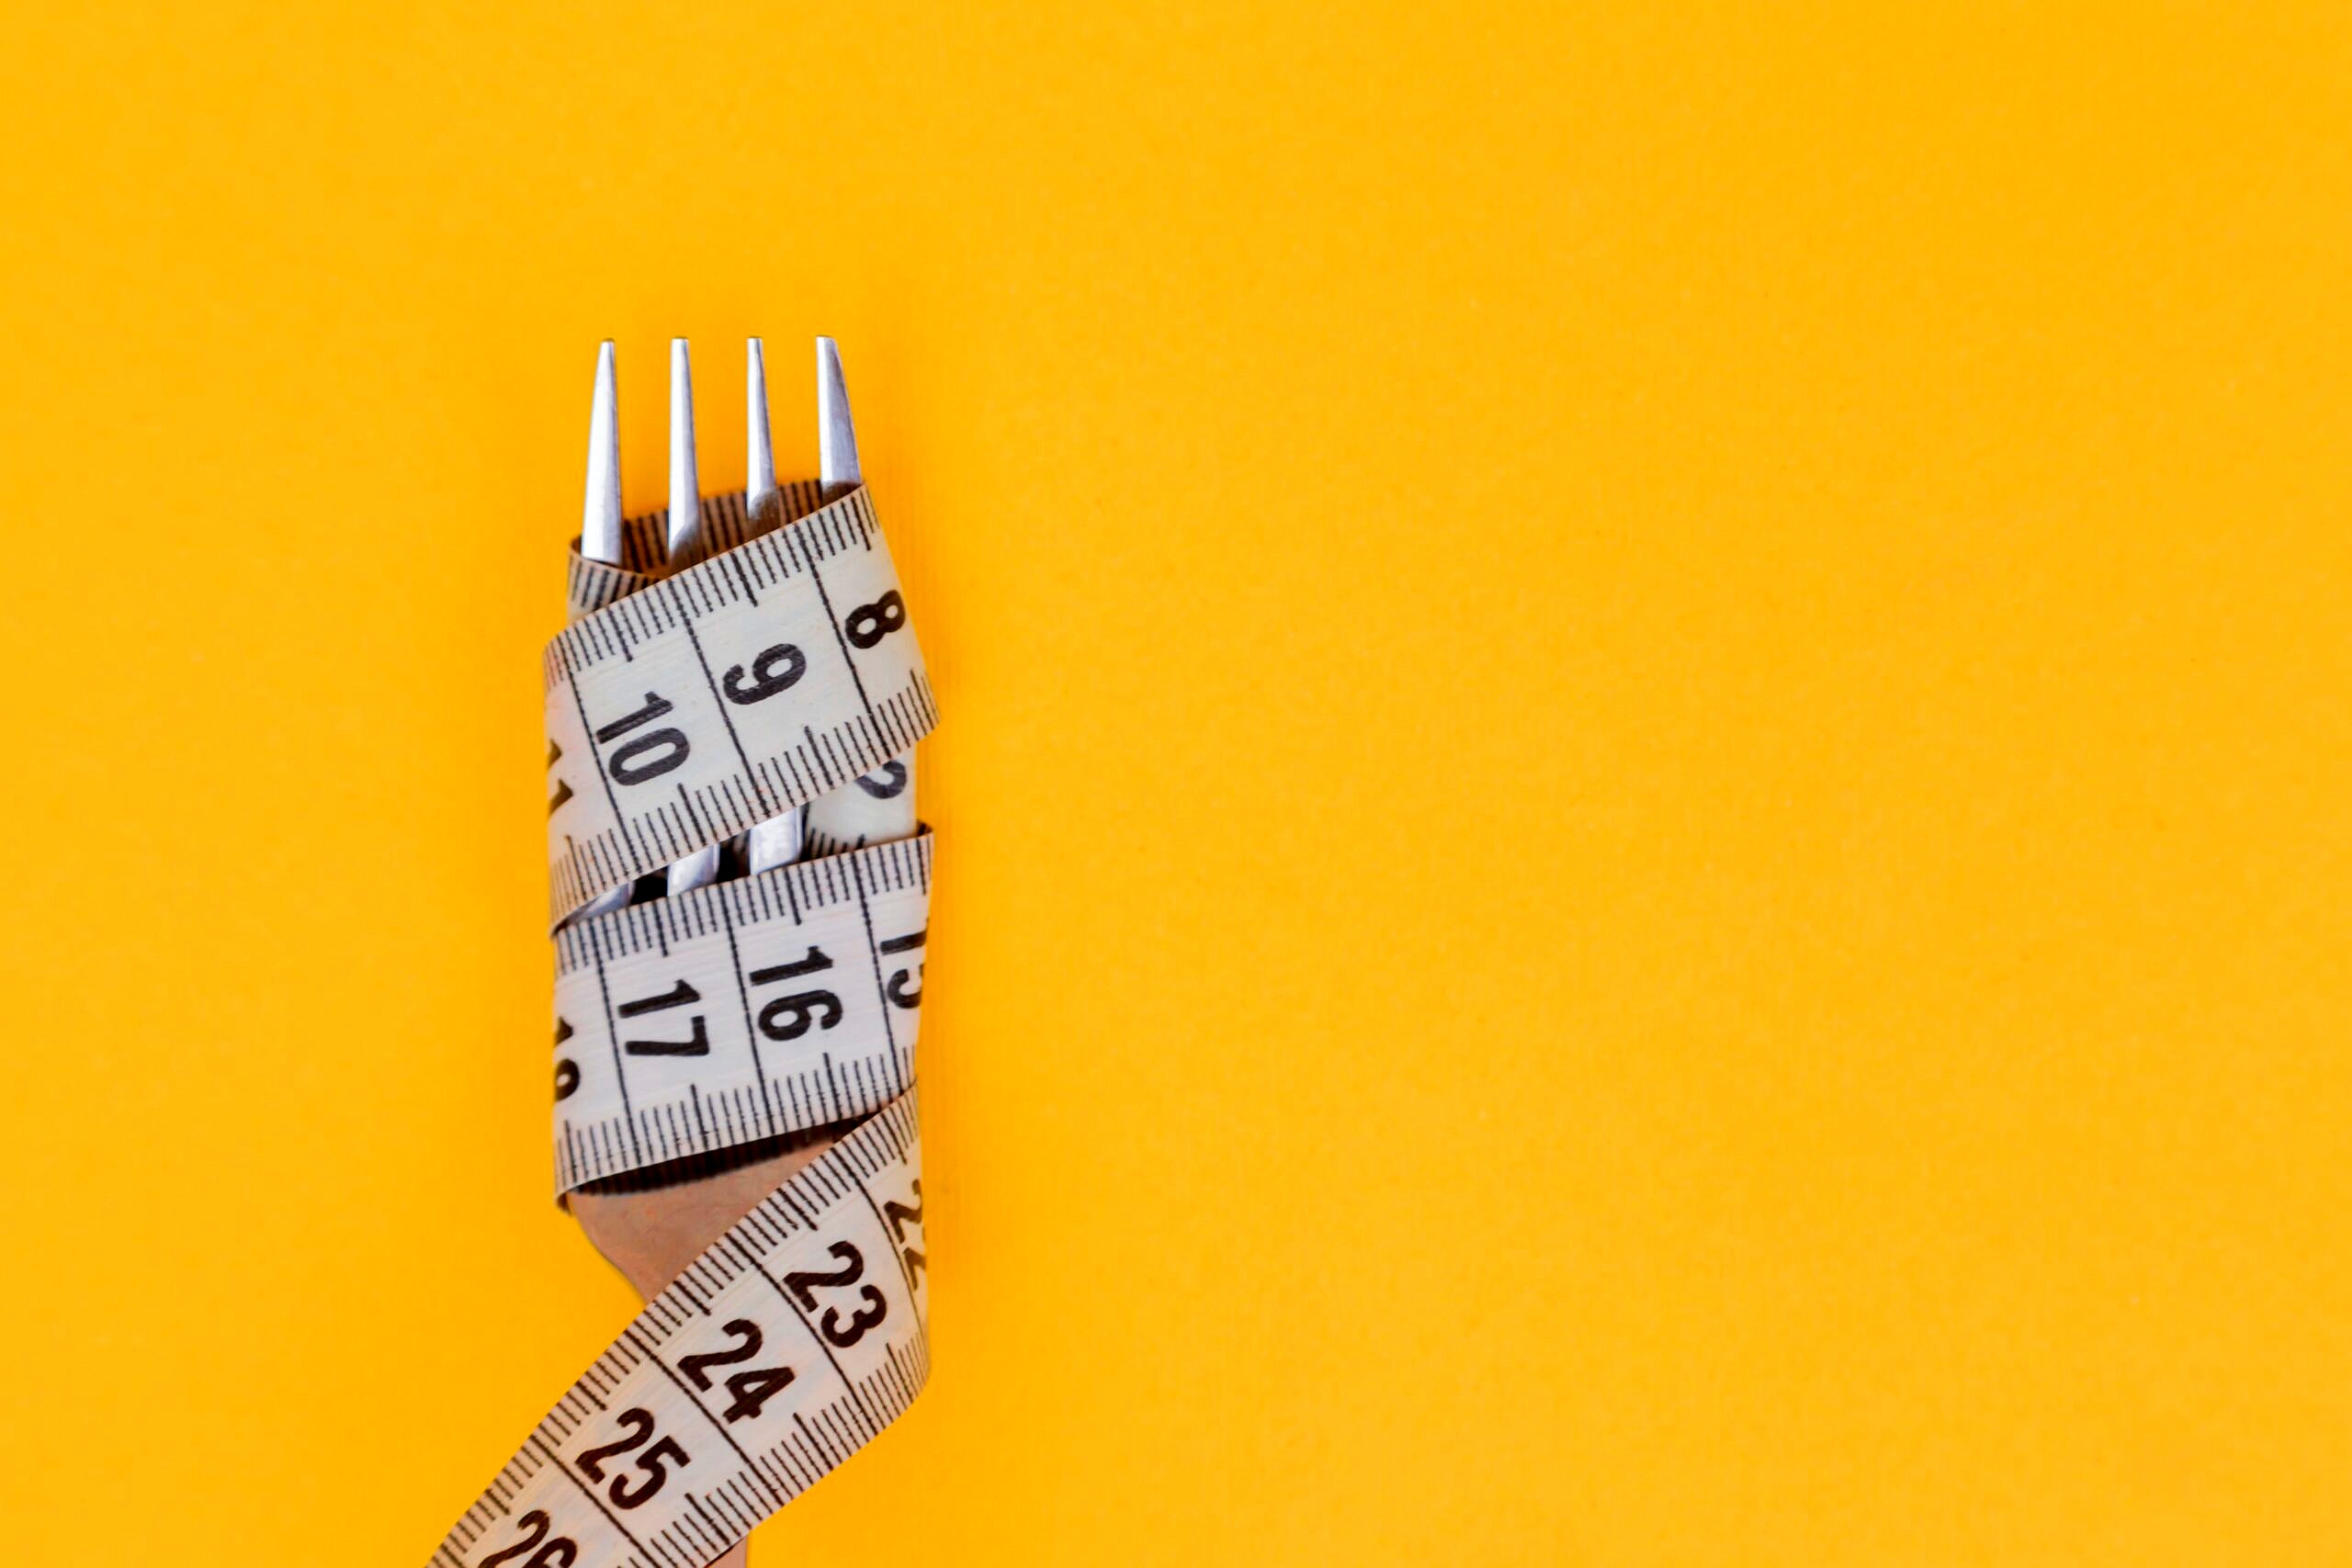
(1643, 803)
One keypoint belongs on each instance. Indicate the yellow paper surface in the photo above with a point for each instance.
(1643, 806)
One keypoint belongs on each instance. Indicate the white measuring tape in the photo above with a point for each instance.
(754, 682)
(741, 1011)
(780, 1351)
(680, 712)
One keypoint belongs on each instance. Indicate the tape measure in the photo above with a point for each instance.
(745, 1010)
(780, 671)
(682, 713)
(779, 1352)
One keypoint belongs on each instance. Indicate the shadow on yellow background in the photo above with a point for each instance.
(1643, 801)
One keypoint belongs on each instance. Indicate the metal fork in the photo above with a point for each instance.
(650, 1223)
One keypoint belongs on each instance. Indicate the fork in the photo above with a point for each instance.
(650, 1223)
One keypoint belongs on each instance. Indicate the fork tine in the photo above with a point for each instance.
(836, 437)
(778, 841)
(600, 528)
(685, 548)
(839, 471)
(760, 465)
(600, 516)
(686, 496)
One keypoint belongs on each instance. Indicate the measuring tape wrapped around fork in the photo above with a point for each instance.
(779, 671)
